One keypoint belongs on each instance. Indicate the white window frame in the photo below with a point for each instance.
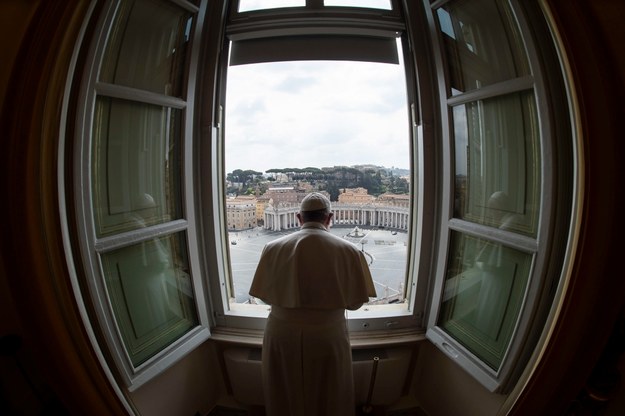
(540, 288)
(90, 245)
(338, 21)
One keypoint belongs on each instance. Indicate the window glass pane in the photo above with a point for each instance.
(147, 47)
(482, 43)
(497, 158)
(135, 165)
(370, 4)
(151, 294)
(250, 5)
(339, 127)
(483, 294)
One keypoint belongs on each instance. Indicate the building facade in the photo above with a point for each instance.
(355, 207)
(241, 213)
(402, 200)
(282, 195)
(355, 196)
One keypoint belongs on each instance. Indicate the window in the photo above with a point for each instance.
(136, 224)
(300, 90)
(251, 5)
(374, 4)
(338, 127)
(490, 152)
(494, 234)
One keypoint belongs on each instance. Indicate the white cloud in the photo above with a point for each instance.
(299, 114)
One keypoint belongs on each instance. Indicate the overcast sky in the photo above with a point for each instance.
(312, 113)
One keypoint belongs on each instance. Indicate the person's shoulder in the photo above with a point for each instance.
(341, 241)
(285, 239)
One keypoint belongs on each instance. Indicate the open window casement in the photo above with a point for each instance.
(507, 196)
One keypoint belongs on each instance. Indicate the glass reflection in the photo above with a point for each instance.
(151, 294)
(135, 166)
(482, 43)
(497, 161)
(483, 295)
(148, 46)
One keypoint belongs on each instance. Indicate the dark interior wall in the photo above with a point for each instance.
(37, 44)
(192, 386)
(437, 379)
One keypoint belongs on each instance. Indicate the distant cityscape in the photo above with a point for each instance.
(365, 195)
(371, 207)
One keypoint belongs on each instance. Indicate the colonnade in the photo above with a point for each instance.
(283, 217)
(371, 215)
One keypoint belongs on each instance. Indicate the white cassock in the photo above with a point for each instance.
(310, 278)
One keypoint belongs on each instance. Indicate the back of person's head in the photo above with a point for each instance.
(315, 207)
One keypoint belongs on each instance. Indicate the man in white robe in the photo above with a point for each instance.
(309, 278)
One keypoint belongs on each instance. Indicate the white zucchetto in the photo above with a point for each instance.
(314, 201)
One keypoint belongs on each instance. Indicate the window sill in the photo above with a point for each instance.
(359, 339)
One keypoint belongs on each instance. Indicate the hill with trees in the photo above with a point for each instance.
(375, 179)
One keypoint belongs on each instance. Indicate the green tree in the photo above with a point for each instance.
(243, 177)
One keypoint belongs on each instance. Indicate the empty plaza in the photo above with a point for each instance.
(385, 250)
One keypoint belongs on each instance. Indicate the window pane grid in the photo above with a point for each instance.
(494, 237)
(132, 164)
